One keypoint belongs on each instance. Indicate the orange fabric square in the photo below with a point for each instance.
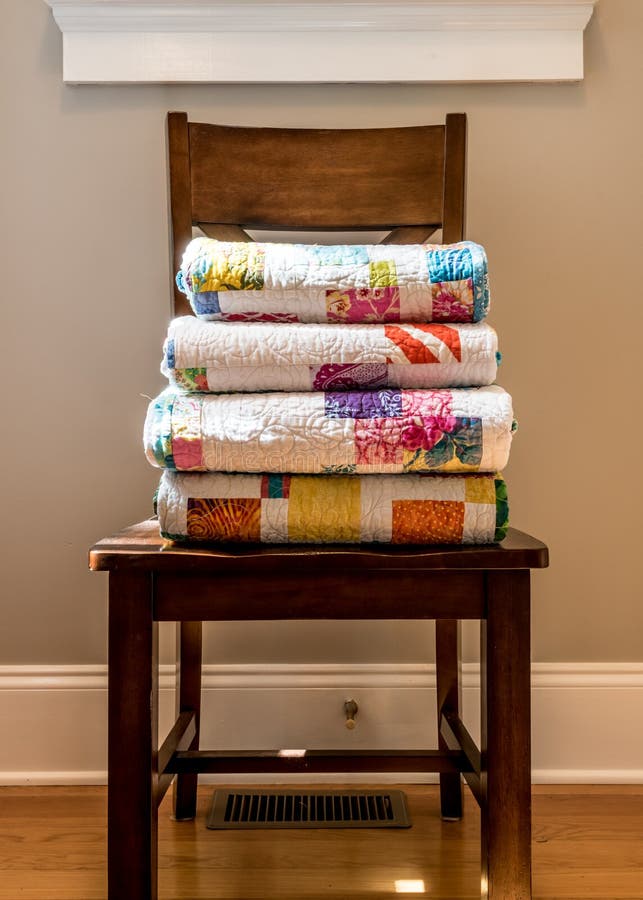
(427, 522)
(228, 519)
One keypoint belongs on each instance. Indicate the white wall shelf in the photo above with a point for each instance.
(297, 41)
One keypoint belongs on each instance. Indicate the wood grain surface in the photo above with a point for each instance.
(317, 178)
(586, 845)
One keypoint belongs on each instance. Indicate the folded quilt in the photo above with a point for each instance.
(341, 432)
(394, 509)
(261, 356)
(343, 283)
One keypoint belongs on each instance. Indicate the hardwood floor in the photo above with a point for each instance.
(588, 843)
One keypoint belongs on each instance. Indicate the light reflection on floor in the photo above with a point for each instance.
(410, 886)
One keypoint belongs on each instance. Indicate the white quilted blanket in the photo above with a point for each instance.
(261, 356)
(237, 281)
(389, 431)
(396, 509)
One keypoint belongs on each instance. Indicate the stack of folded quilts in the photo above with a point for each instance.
(332, 394)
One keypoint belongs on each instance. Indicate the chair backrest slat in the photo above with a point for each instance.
(300, 178)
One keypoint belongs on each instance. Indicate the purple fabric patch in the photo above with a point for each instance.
(349, 375)
(363, 404)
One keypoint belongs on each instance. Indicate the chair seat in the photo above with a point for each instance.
(261, 582)
(141, 546)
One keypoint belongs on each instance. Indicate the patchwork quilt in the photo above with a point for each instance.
(394, 509)
(261, 356)
(332, 432)
(237, 281)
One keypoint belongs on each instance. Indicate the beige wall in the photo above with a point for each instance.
(555, 179)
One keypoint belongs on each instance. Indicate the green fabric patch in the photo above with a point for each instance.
(502, 509)
(383, 273)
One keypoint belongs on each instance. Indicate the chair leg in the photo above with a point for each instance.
(505, 738)
(447, 647)
(188, 698)
(132, 740)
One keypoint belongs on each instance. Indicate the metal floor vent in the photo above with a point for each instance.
(309, 809)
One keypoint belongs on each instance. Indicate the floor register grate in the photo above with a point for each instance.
(309, 809)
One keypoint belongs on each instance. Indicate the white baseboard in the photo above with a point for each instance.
(54, 718)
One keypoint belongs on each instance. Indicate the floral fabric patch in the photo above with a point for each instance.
(453, 301)
(442, 443)
(378, 443)
(191, 379)
(376, 304)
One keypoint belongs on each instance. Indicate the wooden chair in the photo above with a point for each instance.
(410, 180)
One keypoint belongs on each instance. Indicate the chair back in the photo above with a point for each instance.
(409, 181)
